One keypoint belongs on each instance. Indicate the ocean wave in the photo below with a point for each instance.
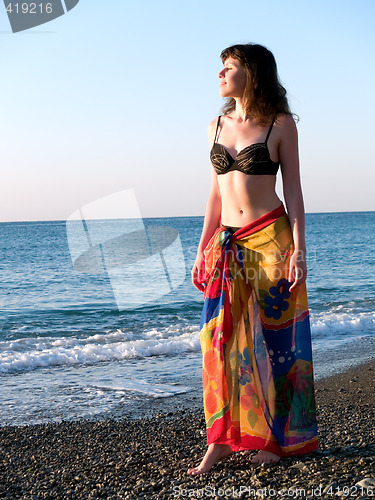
(139, 386)
(31, 353)
(330, 324)
(329, 329)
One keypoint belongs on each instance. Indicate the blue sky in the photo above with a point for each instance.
(117, 95)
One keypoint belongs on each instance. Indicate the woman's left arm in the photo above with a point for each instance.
(288, 153)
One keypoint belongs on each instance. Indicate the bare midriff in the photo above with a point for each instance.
(245, 198)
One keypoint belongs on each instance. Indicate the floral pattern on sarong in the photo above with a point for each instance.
(256, 343)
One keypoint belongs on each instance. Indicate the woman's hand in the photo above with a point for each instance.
(297, 268)
(196, 272)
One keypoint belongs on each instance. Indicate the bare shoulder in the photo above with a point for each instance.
(286, 124)
(212, 125)
(212, 129)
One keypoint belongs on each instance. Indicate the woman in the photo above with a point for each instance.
(255, 334)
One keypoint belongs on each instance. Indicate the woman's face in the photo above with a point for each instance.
(232, 79)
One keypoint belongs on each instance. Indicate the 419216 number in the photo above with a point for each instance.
(350, 491)
(32, 8)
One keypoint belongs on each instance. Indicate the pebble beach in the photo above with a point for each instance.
(147, 457)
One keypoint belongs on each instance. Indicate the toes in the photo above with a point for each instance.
(265, 458)
(194, 472)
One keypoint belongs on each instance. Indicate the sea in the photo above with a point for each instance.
(80, 339)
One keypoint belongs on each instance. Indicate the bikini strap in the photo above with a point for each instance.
(269, 131)
(217, 127)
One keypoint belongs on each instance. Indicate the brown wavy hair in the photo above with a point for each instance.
(264, 96)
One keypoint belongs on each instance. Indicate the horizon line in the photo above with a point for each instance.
(164, 217)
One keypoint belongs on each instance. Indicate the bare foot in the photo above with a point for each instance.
(265, 457)
(214, 453)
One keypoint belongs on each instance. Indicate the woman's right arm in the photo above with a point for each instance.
(211, 218)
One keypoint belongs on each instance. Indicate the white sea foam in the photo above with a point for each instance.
(30, 353)
(141, 386)
(329, 329)
(85, 392)
(343, 325)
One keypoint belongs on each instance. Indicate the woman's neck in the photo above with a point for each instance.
(240, 112)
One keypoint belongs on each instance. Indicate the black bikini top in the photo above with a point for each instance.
(252, 160)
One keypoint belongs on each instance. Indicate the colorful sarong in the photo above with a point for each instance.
(258, 387)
